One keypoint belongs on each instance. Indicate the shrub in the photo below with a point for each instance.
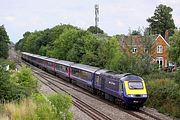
(177, 77)
(19, 85)
(164, 95)
(11, 63)
(62, 104)
(25, 80)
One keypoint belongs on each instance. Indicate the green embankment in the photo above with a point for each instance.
(164, 93)
(20, 100)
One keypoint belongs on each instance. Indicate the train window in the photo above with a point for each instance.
(75, 72)
(62, 68)
(85, 75)
(49, 64)
(135, 85)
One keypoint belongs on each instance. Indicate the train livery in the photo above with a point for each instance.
(126, 88)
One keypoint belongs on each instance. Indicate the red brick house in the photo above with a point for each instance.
(158, 51)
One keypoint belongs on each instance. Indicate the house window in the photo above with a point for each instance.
(145, 50)
(159, 61)
(159, 49)
(134, 50)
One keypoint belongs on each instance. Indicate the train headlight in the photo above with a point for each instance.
(144, 95)
(130, 95)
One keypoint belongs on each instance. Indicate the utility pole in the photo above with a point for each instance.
(96, 16)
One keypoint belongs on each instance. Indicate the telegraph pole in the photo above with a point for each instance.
(96, 16)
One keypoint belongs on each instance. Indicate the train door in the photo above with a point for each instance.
(102, 82)
(121, 88)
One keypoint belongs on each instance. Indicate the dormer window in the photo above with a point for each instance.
(134, 50)
(159, 49)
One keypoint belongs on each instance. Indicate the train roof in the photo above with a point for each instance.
(85, 67)
(25, 53)
(41, 57)
(29, 54)
(101, 71)
(51, 59)
(63, 62)
(115, 75)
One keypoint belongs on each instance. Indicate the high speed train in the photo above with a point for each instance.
(126, 88)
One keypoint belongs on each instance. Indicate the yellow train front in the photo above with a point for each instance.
(134, 91)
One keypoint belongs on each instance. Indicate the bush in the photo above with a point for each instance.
(158, 74)
(177, 77)
(17, 86)
(62, 105)
(11, 63)
(164, 95)
(25, 80)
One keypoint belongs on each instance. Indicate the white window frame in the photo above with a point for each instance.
(158, 60)
(159, 49)
(134, 50)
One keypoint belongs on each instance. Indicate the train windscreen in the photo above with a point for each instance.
(135, 85)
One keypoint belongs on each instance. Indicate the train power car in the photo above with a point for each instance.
(125, 88)
(129, 89)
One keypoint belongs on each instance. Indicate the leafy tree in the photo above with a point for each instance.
(4, 40)
(174, 50)
(162, 20)
(135, 32)
(95, 30)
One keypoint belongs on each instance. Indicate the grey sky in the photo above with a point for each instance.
(116, 16)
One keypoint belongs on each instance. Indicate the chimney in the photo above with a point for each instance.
(167, 36)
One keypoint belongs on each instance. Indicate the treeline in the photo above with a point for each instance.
(70, 43)
(4, 40)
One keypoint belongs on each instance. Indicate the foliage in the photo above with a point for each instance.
(4, 40)
(38, 41)
(162, 20)
(5, 86)
(95, 30)
(164, 95)
(26, 80)
(16, 86)
(174, 50)
(39, 108)
(158, 74)
(136, 32)
(62, 105)
(177, 77)
(11, 63)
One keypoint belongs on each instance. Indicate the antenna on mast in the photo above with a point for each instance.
(96, 16)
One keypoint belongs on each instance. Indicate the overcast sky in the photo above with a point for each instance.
(116, 16)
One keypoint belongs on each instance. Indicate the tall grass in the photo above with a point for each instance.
(39, 108)
(22, 111)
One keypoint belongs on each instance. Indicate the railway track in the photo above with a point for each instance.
(93, 113)
(55, 79)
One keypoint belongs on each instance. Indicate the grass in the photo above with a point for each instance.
(38, 108)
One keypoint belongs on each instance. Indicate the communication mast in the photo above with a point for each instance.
(96, 16)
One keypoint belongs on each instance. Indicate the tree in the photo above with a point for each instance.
(136, 32)
(174, 50)
(162, 20)
(95, 30)
(4, 40)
